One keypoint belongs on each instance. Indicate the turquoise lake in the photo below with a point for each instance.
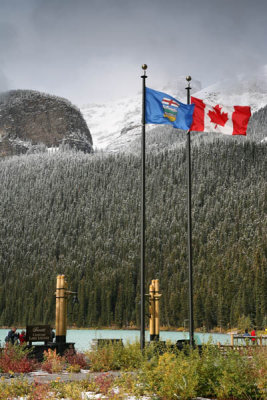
(83, 338)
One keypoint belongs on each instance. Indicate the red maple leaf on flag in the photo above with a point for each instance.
(218, 117)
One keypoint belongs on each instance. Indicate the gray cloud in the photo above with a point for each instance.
(4, 84)
(92, 50)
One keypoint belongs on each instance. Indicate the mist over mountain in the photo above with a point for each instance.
(116, 126)
(31, 119)
(243, 90)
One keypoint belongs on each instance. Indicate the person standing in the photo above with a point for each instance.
(12, 336)
(253, 334)
(22, 337)
(52, 335)
(246, 334)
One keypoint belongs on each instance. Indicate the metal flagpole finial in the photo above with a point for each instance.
(144, 68)
(188, 78)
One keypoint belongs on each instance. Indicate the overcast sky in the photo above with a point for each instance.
(92, 50)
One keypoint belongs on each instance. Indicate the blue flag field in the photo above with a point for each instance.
(164, 109)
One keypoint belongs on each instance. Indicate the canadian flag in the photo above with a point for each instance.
(228, 120)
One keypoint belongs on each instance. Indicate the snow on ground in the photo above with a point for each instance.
(107, 121)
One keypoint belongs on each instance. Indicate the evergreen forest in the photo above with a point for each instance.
(79, 215)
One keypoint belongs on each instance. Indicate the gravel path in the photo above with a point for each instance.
(44, 377)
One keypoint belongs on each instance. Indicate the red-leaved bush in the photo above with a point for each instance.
(14, 358)
(104, 383)
(74, 358)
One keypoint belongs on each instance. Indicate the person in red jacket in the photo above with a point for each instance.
(253, 333)
(22, 337)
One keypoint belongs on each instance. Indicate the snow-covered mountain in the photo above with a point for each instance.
(242, 90)
(115, 125)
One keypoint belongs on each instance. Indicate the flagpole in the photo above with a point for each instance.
(189, 224)
(143, 210)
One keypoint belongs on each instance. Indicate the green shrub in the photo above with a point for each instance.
(129, 357)
(236, 379)
(18, 387)
(102, 359)
(171, 376)
(188, 374)
(259, 365)
(209, 369)
(115, 357)
(66, 390)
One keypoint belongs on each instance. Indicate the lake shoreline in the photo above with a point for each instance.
(84, 338)
(136, 328)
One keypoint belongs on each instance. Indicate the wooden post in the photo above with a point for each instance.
(60, 310)
(151, 312)
(156, 296)
(232, 340)
(65, 307)
(62, 306)
(57, 304)
(154, 310)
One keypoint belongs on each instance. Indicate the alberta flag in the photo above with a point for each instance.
(164, 109)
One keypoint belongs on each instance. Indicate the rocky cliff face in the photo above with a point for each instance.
(29, 119)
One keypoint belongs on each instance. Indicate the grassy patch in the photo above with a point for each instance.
(164, 372)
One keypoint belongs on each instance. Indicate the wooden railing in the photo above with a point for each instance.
(244, 341)
(241, 343)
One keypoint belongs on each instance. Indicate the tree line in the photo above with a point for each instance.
(79, 215)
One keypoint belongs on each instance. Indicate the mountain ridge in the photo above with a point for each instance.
(116, 125)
